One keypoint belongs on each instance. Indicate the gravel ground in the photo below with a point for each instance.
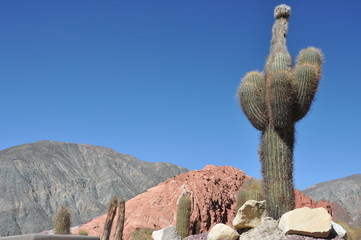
(202, 236)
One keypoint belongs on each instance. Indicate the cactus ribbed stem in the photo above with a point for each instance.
(183, 216)
(274, 101)
(277, 169)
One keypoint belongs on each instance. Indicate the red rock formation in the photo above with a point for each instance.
(213, 192)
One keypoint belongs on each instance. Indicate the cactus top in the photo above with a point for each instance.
(282, 11)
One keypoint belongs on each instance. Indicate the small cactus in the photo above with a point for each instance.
(63, 221)
(273, 101)
(183, 216)
(109, 220)
(118, 235)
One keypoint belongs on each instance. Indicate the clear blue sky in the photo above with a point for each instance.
(158, 79)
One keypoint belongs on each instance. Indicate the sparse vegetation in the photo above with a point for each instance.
(63, 221)
(142, 234)
(273, 101)
(252, 190)
(83, 232)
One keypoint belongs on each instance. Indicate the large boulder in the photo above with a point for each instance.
(168, 233)
(250, 214)
(222, 232)
(306, 221)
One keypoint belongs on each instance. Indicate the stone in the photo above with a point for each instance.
(222, 232)
(339, 230)
(306, 221)
(250, 214)
(267, 230)
(168, 233)
(202, 236)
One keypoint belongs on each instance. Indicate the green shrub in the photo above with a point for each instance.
(83, 232)
(252, 190)
(142, 234)
(62, 221)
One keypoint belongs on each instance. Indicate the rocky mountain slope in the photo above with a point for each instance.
(346, 192)
(36, 178)
(213, 191)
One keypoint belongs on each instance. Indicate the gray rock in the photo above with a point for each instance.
(36, 178)
(267, 230)
(168, 233)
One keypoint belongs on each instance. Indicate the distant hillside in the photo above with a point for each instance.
(36, 178)
(344, 191)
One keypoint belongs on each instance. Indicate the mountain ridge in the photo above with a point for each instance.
(36, 178)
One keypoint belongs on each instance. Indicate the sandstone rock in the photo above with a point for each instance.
(305, 221)
(250, 214)
(339, 230)
(168, 233)
(345, 192)
(222, 232)
(267, 230)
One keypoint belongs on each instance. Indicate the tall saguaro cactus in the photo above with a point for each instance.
(273, 101)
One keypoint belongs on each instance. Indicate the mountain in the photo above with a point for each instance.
(346, 192)
(213, 191)
(36, 178)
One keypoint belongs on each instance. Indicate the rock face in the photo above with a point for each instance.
(36, 178)
(222, 232)
(213, 191)
(345, 192)
(250, 214)
(168, 233)
(306, 221)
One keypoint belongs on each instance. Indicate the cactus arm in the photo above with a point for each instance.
(307, 76)
(252, 98)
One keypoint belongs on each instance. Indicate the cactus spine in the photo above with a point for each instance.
(274, 101)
